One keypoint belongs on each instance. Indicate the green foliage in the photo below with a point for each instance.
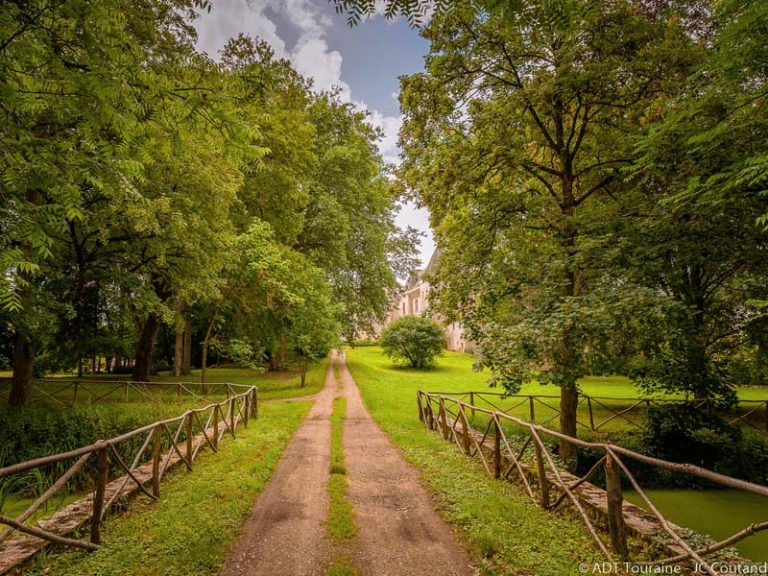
(413, 340)
(146, 186)
(42, 430)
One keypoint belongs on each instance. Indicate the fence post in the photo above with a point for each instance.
(189, 438)
(472, 403)
(255, 403)
(542, 472)
(443, 421)
(74, 393)
(418, 401)
(232, 411)
(156, 461)
(497, 452)
(615, 507)
(531, 409)
(591, 415)
(246, 406)
(465, 426)
(430, 414)
(102, 471)
(766, 416)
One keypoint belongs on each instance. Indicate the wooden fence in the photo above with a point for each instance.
(132, 462)
(92, 390)
(596, 413)
(550, 485)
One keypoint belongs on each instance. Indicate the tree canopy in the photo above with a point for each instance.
(148, 189)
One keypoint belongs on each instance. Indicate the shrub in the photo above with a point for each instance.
(413, 341)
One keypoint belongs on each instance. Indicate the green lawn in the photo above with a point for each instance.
(190, 530)
(506, 532)
(454, 374)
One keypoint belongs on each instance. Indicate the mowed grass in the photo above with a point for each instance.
(506, 532)
(454, 374)
(189, 531)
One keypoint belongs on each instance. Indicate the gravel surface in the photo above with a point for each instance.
(399, 531)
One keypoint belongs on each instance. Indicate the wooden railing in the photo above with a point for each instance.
(93, 390)
(132, 462)
(531, 462)
(595, 413)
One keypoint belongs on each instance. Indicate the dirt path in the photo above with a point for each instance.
(399, 531)
(286, 533)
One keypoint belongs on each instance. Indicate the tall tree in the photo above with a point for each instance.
(514, 138)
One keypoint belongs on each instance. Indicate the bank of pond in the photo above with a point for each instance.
(716, 513)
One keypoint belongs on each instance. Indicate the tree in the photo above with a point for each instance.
(696, 235)
(413, 340)
(70, 75)
(515, 138)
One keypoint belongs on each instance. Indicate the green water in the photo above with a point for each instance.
(718, 513)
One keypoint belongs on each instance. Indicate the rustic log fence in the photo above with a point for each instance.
(136, 461)
(93, 390)
(531, 462)
(595, 413)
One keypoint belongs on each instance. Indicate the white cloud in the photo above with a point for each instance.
(227, 20)
(390, 126)
(311, 57)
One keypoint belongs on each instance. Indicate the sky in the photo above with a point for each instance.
(363, 62)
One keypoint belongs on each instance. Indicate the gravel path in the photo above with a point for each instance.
(399, 531)
(286, 534)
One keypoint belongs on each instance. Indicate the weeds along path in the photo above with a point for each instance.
(286, 533)
(399, 531)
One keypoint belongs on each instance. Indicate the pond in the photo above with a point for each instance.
(718, 513)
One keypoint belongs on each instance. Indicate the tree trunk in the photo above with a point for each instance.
(278, 360)
(206, 342)
(23, 358)
(145, 348)
(304, 368)
(186, 363)
(569, 401)
(178, 351)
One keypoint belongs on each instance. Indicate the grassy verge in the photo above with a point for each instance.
(190, 530)
(506, 532)
(341, 521)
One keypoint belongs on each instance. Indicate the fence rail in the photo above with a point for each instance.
(595, 413)
(92, 390)
(548, 484)
(135, 461)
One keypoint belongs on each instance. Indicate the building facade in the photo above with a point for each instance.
(414, 301)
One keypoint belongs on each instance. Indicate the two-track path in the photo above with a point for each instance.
(399, 531)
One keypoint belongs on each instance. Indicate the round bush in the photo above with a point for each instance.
(413, 341)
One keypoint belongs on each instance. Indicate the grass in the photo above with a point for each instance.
(341, 521)
(454, 374)
(506, 532)
(189, 531)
